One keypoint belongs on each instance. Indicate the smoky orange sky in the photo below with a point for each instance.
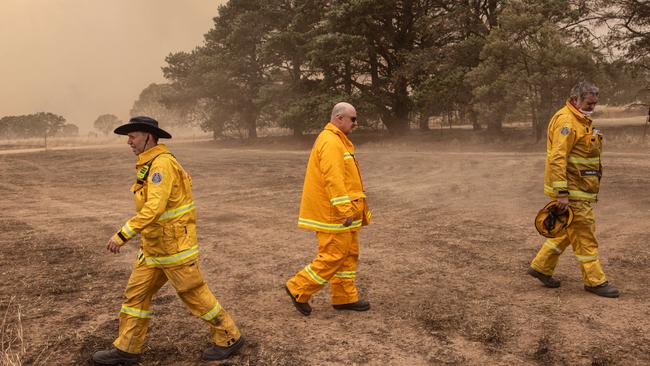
(83, 58)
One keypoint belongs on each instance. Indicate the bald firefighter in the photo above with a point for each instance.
(169, 251)
(572, 176)
(334, 206)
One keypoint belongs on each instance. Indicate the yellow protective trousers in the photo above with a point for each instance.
(336, 263)
(580, 235)
(188, 281)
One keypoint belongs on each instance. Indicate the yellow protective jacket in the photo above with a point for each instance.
(333, 189)
(165, 216)
(573, 148)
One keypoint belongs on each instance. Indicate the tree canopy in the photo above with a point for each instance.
(106, 123)
(42, 124)
(285, 63)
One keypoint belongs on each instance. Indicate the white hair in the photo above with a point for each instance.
(582, 89)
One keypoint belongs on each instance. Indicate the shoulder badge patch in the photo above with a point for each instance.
(156, 178)
(565, 131)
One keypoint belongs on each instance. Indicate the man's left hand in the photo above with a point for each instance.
(348, 221)
(113, 246)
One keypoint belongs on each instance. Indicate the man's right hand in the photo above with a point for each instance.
(348, 221)
(112, 246)
(562, 203)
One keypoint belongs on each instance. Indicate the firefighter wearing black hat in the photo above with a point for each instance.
(572, 176)
(166, 223)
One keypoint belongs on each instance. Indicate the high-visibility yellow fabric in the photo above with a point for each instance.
(580, 235)
(333, 189)
(336, 263)
(165, 216)
(573, 148)
(188, 281)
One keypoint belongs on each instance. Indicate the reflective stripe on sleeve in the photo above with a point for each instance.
(312, 224)
(176, 212)
(138, 313)
(318, 279)
(340, 200)
(127, 231)
(173, 258)
(347, 155)
(212, 313)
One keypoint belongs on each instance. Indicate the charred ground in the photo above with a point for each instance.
(443, 264)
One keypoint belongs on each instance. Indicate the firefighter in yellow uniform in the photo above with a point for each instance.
(572, 176)
(166, 222)
(334, 206)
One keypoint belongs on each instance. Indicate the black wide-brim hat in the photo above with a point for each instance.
(143, 124)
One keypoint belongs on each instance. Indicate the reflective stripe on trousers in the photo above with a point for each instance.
(336, 263)
(188, 282)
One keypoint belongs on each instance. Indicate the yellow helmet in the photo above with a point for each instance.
(550, 222)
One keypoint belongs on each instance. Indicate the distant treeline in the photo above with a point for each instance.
(285, 63)
(41, 124)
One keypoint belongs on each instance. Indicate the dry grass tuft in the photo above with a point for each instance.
(12, 345)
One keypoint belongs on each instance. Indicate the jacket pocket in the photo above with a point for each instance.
(151, 236)
(183, 237)
(169, 242)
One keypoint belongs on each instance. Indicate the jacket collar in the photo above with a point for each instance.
(331, 127)
(581, 117)
(146, 156)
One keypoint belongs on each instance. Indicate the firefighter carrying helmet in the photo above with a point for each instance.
(551, 222)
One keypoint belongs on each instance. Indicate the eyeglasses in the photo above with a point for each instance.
(353, 119)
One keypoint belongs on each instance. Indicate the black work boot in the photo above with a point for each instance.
(303, 307)
(214, 352)
(547, 280)
(115, 357)
(604, 290)
(361, 305)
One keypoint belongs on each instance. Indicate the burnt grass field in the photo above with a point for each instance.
(443, 263)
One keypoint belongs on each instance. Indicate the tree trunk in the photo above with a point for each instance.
(492, 13)
(252, 128)
(348, 77)
(424, 122)
(544, 111)
(473, 117)
(249, 119)
(374, 73)
(537, 124)
(398, 122)
(494, 125)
